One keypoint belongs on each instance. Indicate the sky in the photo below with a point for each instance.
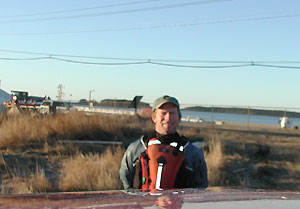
(189, 49)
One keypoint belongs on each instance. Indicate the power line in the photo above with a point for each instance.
(23, 59)
(49, 55)
(97, 63)
(230, 20)
(73, 56)
(71, 61)
(250, 64)
(277, 66)
(145, 9)
(80, 9)
(197, 66)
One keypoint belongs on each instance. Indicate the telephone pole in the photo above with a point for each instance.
(90, 98)
(90, 94)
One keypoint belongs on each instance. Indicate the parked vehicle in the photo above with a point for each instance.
(44, 105)
(24, 102)
(53, 107)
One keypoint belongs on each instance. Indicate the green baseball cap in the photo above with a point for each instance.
(163, 100)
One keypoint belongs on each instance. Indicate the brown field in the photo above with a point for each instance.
(35, 159)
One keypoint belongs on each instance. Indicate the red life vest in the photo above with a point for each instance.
(160, 165)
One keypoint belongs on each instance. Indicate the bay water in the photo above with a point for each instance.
(210, 116)
(237, 118)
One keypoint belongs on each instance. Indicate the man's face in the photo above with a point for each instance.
(166, 119)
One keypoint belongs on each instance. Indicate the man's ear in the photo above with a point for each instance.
(153, 116)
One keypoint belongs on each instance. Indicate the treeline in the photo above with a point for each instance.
(278, 113)
(122, 103)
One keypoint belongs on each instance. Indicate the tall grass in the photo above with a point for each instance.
(92, 171)
(233, 158)
(38, 136)
(20, 184)
(215, 161)
(20, 130)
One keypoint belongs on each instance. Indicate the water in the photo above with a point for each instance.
(237, 118)
(208, 116)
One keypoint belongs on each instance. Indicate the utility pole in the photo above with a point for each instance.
(90, 98)
(248, 119)
(90, 94)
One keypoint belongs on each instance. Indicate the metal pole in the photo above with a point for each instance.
(248, 119)
(90, 97)
(285, 112)
(212, 113)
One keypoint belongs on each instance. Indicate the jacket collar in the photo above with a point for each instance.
(166, 139)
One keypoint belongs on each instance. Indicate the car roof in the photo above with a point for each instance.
(181, 198)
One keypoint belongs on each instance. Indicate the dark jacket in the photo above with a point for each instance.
(192, 174)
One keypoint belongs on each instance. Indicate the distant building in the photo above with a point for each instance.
(4, 96)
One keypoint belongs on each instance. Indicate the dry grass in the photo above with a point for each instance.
(34, 183)
(92, 171)
(215, 161)
(20, 130)
(233, 158)
(26, 138)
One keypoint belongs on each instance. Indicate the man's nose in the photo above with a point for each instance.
(167, 116)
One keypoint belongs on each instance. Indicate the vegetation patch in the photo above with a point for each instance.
(36, 156)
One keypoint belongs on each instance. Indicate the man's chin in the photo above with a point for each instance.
(170, 130)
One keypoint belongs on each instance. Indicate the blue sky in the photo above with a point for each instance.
(157, 30)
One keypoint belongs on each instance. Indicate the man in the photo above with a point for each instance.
(164, 160)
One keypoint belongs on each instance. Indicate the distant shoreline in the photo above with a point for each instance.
(277, 113)
(116, 103)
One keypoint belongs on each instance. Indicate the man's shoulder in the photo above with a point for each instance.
(194, 151)
(135, 142)
(137, 146)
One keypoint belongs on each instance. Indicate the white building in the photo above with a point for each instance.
(4, 96)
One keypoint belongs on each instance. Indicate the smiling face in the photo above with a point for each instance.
(166, 119)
